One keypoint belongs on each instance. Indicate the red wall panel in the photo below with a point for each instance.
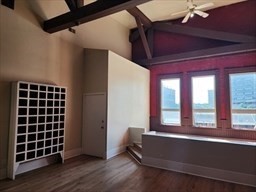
(214, 63)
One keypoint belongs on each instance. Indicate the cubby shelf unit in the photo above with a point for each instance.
(37, 123)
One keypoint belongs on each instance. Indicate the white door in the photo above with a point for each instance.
(94, 124)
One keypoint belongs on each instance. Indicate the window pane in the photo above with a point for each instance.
(243, 100)
(170, 101)
(203, 101)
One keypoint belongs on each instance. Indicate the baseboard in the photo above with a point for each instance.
(72, 153)
(31, 165)
(3, 173)
(35, 164)
(218, 174)
(115, 151)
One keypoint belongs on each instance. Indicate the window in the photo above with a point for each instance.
(203, 101)
(170, 101)
(243, 100)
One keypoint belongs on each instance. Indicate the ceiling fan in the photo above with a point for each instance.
(193, 9)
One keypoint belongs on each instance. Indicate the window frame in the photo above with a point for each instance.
(228, 72)
(214, 73)
(166, 77)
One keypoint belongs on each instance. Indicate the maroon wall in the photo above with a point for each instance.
(220, 64)
(237, 18)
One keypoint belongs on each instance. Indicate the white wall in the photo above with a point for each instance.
(128, 100)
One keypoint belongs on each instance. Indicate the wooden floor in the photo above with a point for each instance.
(121, 173)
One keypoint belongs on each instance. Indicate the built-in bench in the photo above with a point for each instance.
(227, 159)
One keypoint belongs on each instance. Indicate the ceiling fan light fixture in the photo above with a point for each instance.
(193, 9)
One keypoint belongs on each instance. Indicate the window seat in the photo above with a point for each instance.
(226, 159)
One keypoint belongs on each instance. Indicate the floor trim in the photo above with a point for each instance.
(72, 153)
(116, 151)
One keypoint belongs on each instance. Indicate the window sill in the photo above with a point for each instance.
(203, 138)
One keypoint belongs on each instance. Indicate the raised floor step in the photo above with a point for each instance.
(135, 153)
(138, 147)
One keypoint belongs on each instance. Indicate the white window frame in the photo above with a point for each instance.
(167, 109)
(204, 110)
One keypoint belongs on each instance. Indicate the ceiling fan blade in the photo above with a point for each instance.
(186, 18)
(204, 6)
(201, 13)
(180, 12)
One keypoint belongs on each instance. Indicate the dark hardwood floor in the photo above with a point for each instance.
(121, 173)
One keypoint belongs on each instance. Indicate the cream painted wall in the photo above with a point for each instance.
(128, 100)
(28, 53)
(105, 33)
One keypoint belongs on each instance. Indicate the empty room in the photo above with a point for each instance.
(128, 95)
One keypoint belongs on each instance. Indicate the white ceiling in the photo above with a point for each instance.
(157, 10)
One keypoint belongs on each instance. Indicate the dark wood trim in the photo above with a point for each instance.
(71, 4)
(8, 3)
(74, 4)
(143, 38)
(88, 13)
(203, 33)
(135, 12)
(150, 38)
(134, 34)
(199, 54)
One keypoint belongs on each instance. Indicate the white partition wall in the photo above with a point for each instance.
(126, 85)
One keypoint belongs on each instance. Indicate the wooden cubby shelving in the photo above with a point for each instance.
(37, 123)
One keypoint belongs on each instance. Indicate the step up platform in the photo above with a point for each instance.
(135, 151)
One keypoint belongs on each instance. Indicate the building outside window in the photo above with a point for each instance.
(170, 101)
(243, 100)
(204, 101)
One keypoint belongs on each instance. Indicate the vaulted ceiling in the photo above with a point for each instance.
(150, 19)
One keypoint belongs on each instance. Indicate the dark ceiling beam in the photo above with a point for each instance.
(203, 33)
(71, 4)
(74, 4)
(135, 12)
(143, 38)
(134, 34)
(8, 3)
(150, 38)
(199, 54)
(88, 13)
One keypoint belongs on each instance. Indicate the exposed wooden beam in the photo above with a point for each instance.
(150, 38)
(74, 4)
(134, 34)
(8, 3)
(88, 13)
(135, 12)
(71, 4)
(143, 38)
(203, 33)
(218, 51)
